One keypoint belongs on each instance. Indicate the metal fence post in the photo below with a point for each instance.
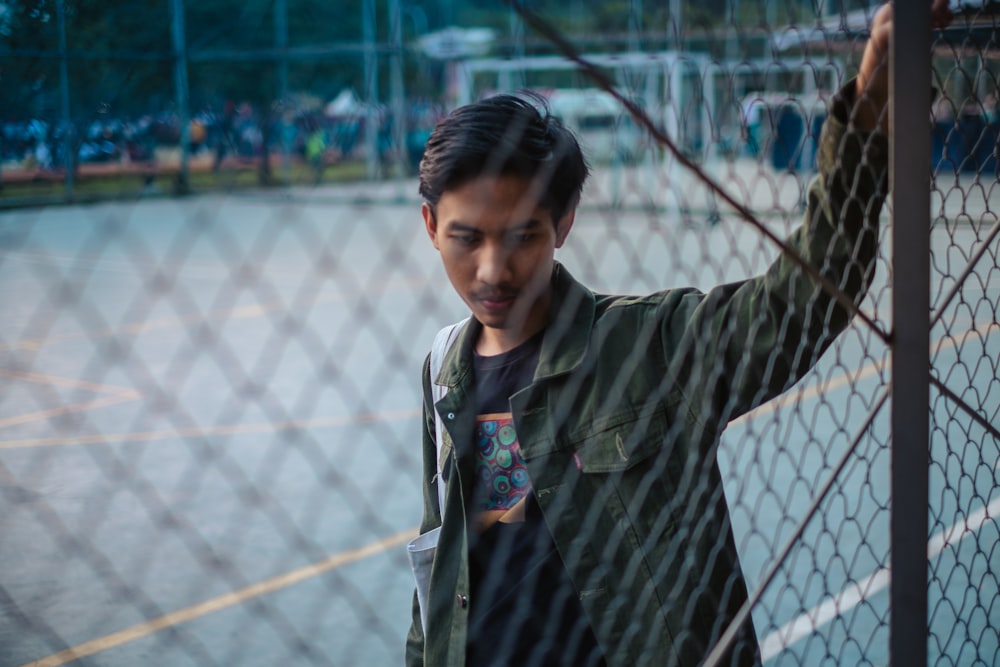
(371, 90)
(910, 83)
(399, 124)
(181, 82)
(69, 139)
(281, 45)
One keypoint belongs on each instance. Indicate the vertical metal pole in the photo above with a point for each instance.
(461, 76)
(179, 38)
(674, 72)
(910, 86)
(371, 90)
(516, 79)
(281, 44)
(676, 25)
(651, 179)
(398, 94)
(710, 147)
(673, 75)
(69, 137)
(635, 25)
(732, 38)
(710, 113)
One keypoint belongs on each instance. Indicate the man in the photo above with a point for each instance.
(584, 520)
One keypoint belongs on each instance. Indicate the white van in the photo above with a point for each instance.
(604, 127)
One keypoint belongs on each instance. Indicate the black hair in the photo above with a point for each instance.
(505, 135)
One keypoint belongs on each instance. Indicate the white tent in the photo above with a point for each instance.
(836, 28)
(454, 43)
(346, 103)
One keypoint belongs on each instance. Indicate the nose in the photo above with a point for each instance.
(494, 264)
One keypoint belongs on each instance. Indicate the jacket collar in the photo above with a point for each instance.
(564, 344)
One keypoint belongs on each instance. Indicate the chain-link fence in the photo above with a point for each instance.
(212, 405)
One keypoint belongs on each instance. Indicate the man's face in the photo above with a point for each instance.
(498, 250)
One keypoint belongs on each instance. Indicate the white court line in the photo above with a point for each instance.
(857, 592)
(824, 385)
(199, 432)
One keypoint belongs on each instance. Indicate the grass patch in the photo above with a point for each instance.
(111, 184)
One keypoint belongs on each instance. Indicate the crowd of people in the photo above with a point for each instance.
(232, 132)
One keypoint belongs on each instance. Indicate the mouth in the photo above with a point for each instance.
(495, 301)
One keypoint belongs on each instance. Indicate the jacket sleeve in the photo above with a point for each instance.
(431, 514)
(741, 344)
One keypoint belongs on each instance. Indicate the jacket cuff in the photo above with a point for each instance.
(846, 147)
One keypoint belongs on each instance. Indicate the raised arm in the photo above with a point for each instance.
(872, 84)
(744, 343)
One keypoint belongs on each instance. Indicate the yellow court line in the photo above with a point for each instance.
(803, 393)
(984, 329)
(58, 381)
(239, 312)
(812, 391)
(869, 369)
(147, 326)
(283, 581)
(200, 432)
(136, 328)
(40, 415)
(118, 395)
(222, 602)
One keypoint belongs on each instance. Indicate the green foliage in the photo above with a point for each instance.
(125, 68)
(120, 52)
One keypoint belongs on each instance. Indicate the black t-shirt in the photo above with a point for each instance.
(523, 609)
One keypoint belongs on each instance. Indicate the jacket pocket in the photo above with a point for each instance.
(615, 449)
(420, 551)
(634, 468)
(626, 439)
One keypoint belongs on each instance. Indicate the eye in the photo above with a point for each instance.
(521, 238)
(464, 239)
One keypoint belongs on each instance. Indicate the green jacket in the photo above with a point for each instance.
(620, 427)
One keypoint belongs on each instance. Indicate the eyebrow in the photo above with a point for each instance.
(530, 224)
(458, 226)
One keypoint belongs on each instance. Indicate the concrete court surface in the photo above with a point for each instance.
(210, 424)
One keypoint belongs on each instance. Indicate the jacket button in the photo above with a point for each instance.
(451, 415)
(463, 601)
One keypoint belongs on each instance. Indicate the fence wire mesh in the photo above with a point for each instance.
(212, 406)
(965, 394)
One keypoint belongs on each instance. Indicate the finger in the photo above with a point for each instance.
(882, 16)
(941, 15)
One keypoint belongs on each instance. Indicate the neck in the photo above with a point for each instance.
(495, 340)
(492, 342)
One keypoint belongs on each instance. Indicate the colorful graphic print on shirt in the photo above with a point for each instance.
(501, 476)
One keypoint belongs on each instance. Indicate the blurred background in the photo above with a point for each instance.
(173, 94)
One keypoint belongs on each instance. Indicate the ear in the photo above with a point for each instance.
(563, 226)
(430, 222)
